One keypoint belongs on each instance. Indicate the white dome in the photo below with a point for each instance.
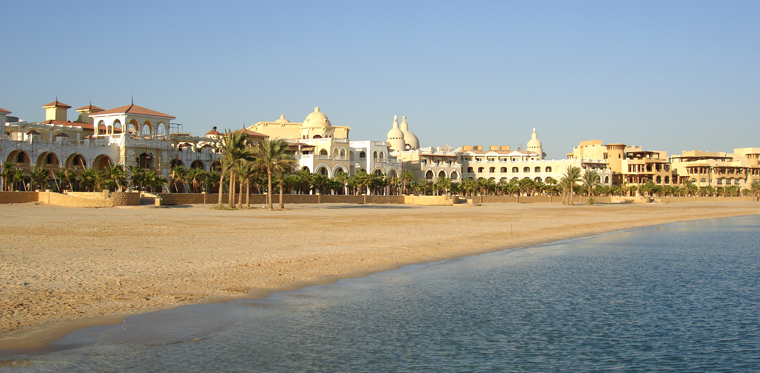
(316, 119)
(409, 138)
(282, 119)
(395, 136)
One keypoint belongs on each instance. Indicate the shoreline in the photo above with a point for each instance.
(84, 281)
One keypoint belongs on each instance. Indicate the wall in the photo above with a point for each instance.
(18, 197)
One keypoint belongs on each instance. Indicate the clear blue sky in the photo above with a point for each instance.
(665, 75)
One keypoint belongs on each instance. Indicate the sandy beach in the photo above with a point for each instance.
(64, 268)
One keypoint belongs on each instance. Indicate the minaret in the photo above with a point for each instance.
(534, 145)
(395, 137)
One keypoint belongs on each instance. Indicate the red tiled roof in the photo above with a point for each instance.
(213, 132)
(4, 111)
(62, 135)
(251, 133)
(56, 103)
(90, 107)
(134, 109)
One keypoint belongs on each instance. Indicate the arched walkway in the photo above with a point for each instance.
(101, 162)
(441, 174)
(429, 175)
(48, 160)
(454, 175)
(76, 162)
(20, 158)
(198, 164)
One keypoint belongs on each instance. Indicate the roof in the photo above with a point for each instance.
(213, 132)
(86, 126)
(134, 109)
(4, 111)
(56, 103)
(89, 107)
(252, 133)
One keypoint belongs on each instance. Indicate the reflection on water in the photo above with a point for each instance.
(679, 297)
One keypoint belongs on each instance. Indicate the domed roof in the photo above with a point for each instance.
(282, 119)
(534, 141)
(395, 132)
(409, 137)
(316, 119)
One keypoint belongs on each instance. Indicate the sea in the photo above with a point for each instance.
(682, 297)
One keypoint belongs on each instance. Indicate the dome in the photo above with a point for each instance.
(282, 119)
(395, 137)
(316, 119)
(395, 132)
(409, 138)
(534, 141)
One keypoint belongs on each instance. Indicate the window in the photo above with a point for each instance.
(526, 169)
(480, 169)
(515, 169)
(469, 169)
(538, 169)
(492, 169)
(548, 169)
(720, 181)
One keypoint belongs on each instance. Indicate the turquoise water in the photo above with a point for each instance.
(678, 297)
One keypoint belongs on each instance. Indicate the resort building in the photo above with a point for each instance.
(499, 163)
(129, 135)
(629, 164)
(319, 147)
(717, 169)
(432, 163)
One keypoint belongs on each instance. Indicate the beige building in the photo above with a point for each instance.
(432, 163)
(629, 164)
(315, 126)
(717, 169)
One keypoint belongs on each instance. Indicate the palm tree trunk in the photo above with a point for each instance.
(231, 201)
(269, 188)
(282, 181)
(221, 188)
(248, 193)
(240, 196)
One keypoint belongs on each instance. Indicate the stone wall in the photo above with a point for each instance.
(18, 197)
(428, 200)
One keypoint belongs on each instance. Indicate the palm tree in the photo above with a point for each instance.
(406, 178)
(39, 177)
(591, 179)
(272, 156)
(178, 177)
(363, 180)
(569, 179)
(114, 176)
(283, 169)
(91, 179)
(65, 176)
(234, 147)
(9, 175)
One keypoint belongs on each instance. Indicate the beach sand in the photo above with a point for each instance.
(66, 268)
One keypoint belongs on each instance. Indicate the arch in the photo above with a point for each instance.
(548, 169)
(103, 130)
(374, 155)
(470, 178)
(132, 127)
(116, 125)
(323, 152)
(323, 170)
(503, 170)
(304, 168)
(503, 180)
(606, 179)
(658, 179)
(516, 178)
(480, 169)
(526, 169)
(216, 166)
(161, 130)
(537, 179)
(177, 162)
(316, 137)
(48, 160)
(392, 173)
(19, 157)
(382, 155)
(515, 169)
(338, 169)
(198, 164)
(336, 152)
(667, 179)
(101, 162)
(429, 175)
(145, 160)
(342, 153)
(362, 155)
(378, 172)
(454, 175)
(492, 169)
(145, 130)
(363, 170)
(76, 161)
(537, 169)
(441, 174)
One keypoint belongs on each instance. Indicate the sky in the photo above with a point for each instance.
(664, 75)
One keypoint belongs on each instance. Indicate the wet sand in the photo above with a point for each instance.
(66, 268)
